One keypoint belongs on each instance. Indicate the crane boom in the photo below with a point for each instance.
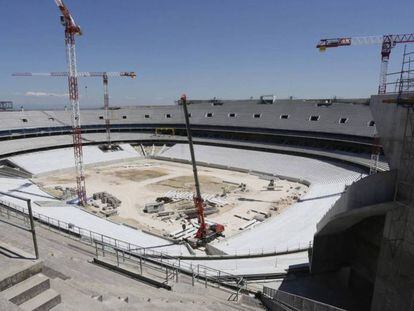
(104, 75)
(387, 43)
(67, 20)
(198, 200)
(391, 40)
(347, 41)
(205, 232)
(130, 74)
(71, 30)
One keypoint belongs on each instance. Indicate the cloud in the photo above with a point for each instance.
(45, 94)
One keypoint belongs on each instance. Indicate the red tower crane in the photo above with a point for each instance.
(72, 30)
(104, 75)
(387, 43)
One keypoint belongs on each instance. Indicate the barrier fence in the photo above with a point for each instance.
(295, 302)
(26, 218)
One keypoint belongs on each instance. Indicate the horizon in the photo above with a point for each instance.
(235, 49)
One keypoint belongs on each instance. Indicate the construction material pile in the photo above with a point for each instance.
(109, 203)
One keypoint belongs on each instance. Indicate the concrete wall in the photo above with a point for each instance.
(390, 121)
(380, 249)
(394, 289)
(357, 249)
(350, 235)
(394, 284)
(371, 190)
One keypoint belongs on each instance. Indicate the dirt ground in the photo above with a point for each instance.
(137, 174)
(143, 180)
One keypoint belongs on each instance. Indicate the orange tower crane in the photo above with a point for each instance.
(387, 43)
(104, 75)
(72, 30)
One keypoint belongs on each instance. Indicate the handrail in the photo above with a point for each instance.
(108, 243)
(297, 302)
(173, 267)
(29, 212)
(259, 252)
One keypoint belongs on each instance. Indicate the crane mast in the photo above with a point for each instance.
(106, 108)
(71, 30)
(105, 77)
(387, 42)
(198, 200)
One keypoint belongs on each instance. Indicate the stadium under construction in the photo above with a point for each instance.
(210, 204)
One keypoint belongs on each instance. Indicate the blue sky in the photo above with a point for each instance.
(222, 48)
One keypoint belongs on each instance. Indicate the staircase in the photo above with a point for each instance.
(25, 286)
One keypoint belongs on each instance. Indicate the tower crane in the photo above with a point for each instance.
(72, 30)
(387, 43)
(105, 75)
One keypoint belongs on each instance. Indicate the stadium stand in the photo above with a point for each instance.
(323, 143)
(295, 226)
(59, 159)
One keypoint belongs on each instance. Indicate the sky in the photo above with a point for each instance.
(229, 49)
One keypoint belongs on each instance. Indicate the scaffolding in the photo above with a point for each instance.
(395, 273)
(400, 225)
(402, 82)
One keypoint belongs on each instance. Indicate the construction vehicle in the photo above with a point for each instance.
(205, 233)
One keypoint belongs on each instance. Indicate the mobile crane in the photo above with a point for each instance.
(205, 233)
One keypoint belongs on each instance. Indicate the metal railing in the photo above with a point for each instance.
(296, 302)
(167, 268)
(137, 255)
(71, 230)
(262, 252)
(27, 218)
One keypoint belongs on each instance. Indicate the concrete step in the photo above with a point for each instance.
(42, 302)
(18, 273)
(14, 252)
(27, 289)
